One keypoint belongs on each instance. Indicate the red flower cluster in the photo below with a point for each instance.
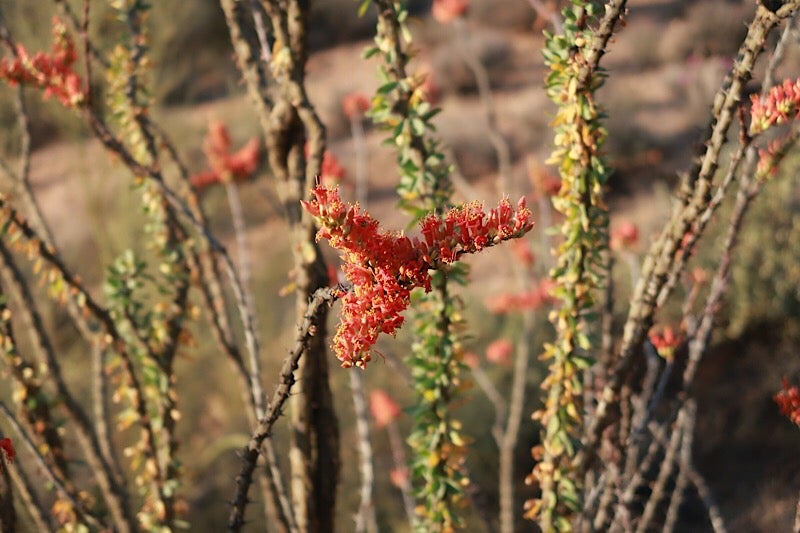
(500, 352)
(331, 171)
(399, 477)
(355, 105)
(384, 267)
(782, 103)
(51, 72)
(666, 342)
(471, 359)
(625, 236)
(7, 448)
(383, 408)
(788, 401)
(224, 165)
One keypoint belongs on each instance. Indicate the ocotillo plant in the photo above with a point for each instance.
(96, 416)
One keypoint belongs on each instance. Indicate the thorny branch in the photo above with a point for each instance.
(322, 297)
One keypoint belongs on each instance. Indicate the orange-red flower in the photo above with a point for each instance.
(355, 105)
(331, 171)
(666, 342)
(399, 477)
(7, 448)
(427, 89)
(237, 166)
(699, 276)
(52, 72)
(788, 401)
(384, 267)
(383, 408)
(471, 359)
(446, 11)
(624, 236)
(499, 352)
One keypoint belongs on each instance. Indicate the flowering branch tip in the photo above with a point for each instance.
(384, 267)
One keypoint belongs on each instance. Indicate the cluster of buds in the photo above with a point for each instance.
(499, 352)
(383, 408)
(355, 105)
(384, 267)
(781, 104)
(788, 401)
(666, 342)
(624, 236)
(52, 72)
(225, 166)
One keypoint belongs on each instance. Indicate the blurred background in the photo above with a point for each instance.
(664, 68)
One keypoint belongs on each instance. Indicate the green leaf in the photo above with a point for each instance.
(369, 52)
(388, 87)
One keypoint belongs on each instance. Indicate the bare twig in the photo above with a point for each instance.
(400, 463)
(274, 407)
(510, 435)
(704, 491)
(261, 30)
(493, 395)
(549, 14)
(499, 142)
(366, 520)
(685, 459)
(664, 473)
(360, 148)
(245, 275)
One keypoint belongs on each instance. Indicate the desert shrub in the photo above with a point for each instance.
(164, 312)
